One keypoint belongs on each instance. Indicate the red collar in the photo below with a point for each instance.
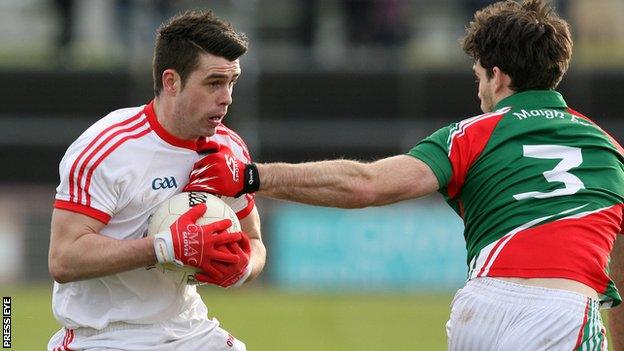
(163, 133)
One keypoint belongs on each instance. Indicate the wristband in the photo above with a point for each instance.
(252, 180)
(163, 246)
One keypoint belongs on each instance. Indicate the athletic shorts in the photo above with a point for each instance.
(168, 336)
(492, 314)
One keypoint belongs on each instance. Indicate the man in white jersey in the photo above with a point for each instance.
(539, 186)
(107, 294)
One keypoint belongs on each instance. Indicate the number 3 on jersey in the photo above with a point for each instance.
(570, 157)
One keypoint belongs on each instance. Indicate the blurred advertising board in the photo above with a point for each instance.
(412, 246)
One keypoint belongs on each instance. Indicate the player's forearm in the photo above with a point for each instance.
(95, 255)
(616, 315)
(258, 258)
(337, 183)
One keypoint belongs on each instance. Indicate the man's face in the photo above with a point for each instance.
(203, 102)
(486, 88)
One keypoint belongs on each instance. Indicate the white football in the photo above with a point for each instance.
(176, 206)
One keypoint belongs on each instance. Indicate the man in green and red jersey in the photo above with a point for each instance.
(539, 186)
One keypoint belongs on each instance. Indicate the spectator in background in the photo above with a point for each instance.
(65, 16)
(125, 21)
(376, 21)
(471, 6)
(125, 15)
(367, 22)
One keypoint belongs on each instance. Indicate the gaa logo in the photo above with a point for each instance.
(164, 183)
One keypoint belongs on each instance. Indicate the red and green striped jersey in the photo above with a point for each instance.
(540, 189)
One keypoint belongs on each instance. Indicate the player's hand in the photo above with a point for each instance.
(232, 274)
(205, 146)
(223, 174)
(186, 243)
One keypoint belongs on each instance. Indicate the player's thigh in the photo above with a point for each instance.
(475, 322)
(217, 339)
(489, 314)
(150, 338)
(557, 328)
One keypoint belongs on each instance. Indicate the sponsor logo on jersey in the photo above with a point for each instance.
(164, 183)
(549, 114)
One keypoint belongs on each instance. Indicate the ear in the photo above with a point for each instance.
(502, 81)
(171, 81)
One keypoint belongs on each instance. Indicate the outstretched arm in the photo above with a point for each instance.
(616, 314)
(348, 184)
(335, 183)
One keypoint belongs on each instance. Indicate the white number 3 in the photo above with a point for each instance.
(570, 157)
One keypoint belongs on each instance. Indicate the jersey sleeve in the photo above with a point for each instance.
(244, 204)
(451, 151)
(85, 186)
(433, 151)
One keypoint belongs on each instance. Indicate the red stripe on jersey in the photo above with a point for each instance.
(247, 210)
(579, 338)
(223, 130)
(613, 141)
(71, 339)
(93, 153)
(85, 210)
(89, 146)
(105, 154)
(574, 248)
(237, 141)
(491, 255)
(466, 145)
(233, 134)
(67, 339)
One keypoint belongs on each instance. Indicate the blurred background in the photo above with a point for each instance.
(322, 79)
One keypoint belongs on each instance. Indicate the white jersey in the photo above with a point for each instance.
(118, 172)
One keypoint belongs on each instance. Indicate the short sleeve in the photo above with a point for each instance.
(433, 151)
(85, 186)
(451, 151)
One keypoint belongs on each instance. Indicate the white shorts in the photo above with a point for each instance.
(492, 314)
(168, 336)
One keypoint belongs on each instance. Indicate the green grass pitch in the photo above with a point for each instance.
(270, 320)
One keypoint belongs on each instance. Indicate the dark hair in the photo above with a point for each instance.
(180, 41)
(527, 41)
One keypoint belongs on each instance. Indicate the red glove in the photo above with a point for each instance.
(205, 146)
(233, 274)
(222, 173)
(186, 243)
